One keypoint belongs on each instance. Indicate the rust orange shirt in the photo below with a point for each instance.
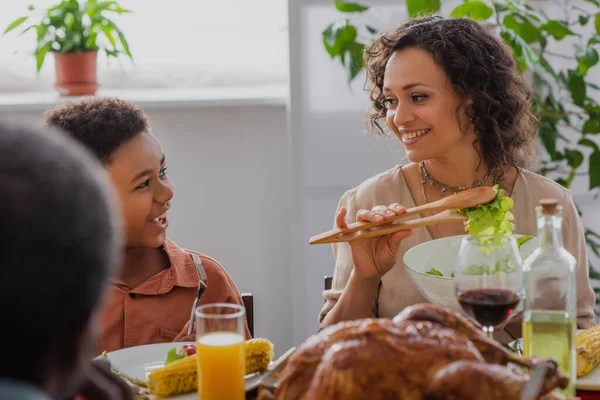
(158, 310)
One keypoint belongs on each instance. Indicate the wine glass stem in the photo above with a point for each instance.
(489, 331)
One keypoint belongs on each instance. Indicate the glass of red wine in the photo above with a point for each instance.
(489, 280)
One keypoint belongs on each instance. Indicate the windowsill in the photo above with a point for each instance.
(229, 96)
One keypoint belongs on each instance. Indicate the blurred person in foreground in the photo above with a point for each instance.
(59, 244)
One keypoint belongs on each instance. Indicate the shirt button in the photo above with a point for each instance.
(132, 295)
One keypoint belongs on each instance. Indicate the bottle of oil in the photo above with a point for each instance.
(549, 308)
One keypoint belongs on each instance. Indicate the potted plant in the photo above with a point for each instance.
(70, 31)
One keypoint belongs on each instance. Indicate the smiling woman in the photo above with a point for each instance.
(151, 296)
(449, 90)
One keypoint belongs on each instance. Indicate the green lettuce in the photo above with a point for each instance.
(523, 239)
(493, 218)
(434, 271)
(174, 355)
(501, 267)
(437, 272)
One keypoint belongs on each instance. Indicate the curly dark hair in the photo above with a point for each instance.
(480, 67)
(102, 124)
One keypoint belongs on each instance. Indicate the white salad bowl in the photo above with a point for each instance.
(442, 254)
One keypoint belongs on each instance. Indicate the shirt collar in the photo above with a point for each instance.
(182, 273)
(183, 270)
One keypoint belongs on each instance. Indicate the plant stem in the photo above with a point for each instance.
(550, 53)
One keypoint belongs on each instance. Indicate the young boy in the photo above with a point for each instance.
(59, 242)
(150, 300)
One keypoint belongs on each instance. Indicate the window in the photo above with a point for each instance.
(175, 44)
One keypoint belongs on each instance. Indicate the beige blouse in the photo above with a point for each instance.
(396, 290)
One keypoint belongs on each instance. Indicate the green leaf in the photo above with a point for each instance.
(594, 40)
(125, 44)
(108, 33)
(422, 7)
(338, 36)
(353, 60)
(594, 169)
(107, 22)
(583, 19)
(522, 27)
(592, 125)
(111, 53)
(112, 6)
(574, 158)
(372, 30)
(41, 31)
(521, 240)
(474, 9)
(557, 29)
(548, 136)
(344, 6)
(522, 51)
(546, 65)
(597, 23)
(15, 24)
(434, 271)
(174, 355)
(40, 55)
(595, 2)
(587, 59)
(576, 87)
(589, 143)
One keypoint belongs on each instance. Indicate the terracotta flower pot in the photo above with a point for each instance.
(76, 73)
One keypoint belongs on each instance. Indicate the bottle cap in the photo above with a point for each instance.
(549, 206)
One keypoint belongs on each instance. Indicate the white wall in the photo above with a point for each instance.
(331, 152)
(229, 166)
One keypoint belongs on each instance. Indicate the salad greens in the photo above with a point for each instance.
(500, 268)
(174, 355)
(437, 272)
(493, 218)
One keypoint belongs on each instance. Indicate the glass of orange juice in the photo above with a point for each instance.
(220, 346)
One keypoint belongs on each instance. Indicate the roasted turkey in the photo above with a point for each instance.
(426, 352)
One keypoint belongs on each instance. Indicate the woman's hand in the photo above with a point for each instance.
(374, 257)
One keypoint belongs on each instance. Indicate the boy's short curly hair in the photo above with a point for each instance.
(102, 124)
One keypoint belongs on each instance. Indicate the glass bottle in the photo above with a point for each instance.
(549, 308)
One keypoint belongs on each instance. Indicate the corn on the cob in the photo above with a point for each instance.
(177, 377)
(259, 353)
(587, 344)
(181, 376)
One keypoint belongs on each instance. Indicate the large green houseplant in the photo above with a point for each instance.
(562, 94)
(72, 31)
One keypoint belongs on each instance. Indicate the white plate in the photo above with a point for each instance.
(591, 381)
(139, 361)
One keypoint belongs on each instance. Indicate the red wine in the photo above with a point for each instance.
(489, 307)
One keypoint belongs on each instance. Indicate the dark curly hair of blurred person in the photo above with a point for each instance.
(480, 67)
(90, 118)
